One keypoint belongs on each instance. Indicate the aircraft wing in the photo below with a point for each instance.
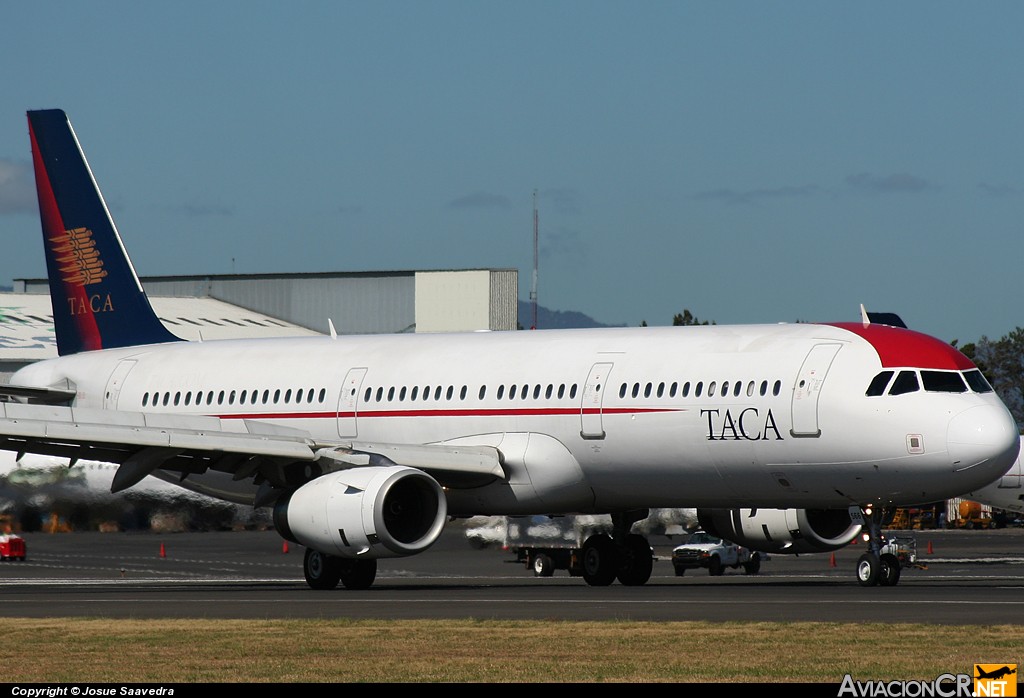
(141, 443)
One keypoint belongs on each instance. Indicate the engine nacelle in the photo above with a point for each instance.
(786, 531)
(370, 512)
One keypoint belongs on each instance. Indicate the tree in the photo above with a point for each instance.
(686, 318)
(1002, 363)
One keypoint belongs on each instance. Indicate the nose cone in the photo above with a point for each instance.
(983, 439)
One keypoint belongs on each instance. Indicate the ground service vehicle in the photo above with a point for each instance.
(714, 554)
(12, 547)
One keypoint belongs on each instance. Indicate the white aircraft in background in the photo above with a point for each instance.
(365, 445)
(1005, 493)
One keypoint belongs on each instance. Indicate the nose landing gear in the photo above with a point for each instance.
(875, 567)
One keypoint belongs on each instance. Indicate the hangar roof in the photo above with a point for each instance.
(26, 323)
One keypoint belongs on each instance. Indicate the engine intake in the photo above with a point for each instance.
(786, 531)
(373, 512)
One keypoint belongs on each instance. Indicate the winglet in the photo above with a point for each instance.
(98, 301)
(864, 316)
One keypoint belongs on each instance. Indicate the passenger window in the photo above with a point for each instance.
(943, 382)
(231, 398)
(550, 388)
(145, 399)
(536, 391)
(661, 389)
(725, 388)
(241, 400)
(686, 389)
(449, 393)
(977, 381)
(764, 388)
(698, 389)
(712, 386)
(188, 398)
(673, 389)
(391, 394)
(561, 391)
(622, 391)
(750, 389)
(878, 384)
(167, 398)
(401, 394)
(462, 393)
(298, 395)
(572, 392)
(512, 393)
(277, 395)
(906, 382)
(777, 388)
(737, 388)
(220, 398)
(483, 391)
(177, 398)
(367, 394)
(323, 394)
(501, 391)
(523, 392)
(415, 392)
(636, 389)
(287, 395)
(647, 390)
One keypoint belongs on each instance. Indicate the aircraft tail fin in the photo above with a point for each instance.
(98, 301)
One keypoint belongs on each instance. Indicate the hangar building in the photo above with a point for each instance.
(261, 305)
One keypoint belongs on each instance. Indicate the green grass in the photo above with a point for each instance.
(380, 651)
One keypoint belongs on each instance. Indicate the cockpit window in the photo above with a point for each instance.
(906, 382)
(977, 381)
(878, 384)
(943, 382)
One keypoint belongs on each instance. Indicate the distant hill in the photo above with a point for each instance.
(556, 319)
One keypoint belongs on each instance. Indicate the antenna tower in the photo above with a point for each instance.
(533, 287)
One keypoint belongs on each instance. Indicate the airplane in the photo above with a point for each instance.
(1007, 492)
(996, 674)
(364, 446)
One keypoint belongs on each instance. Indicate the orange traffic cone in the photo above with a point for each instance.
(832, 562)
(930, 551)
(163, 552)
(284, 547)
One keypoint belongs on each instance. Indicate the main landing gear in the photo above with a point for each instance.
(875, 567)
(325, 571)
(623, 555)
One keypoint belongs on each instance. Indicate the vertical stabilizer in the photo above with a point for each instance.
(98, 302)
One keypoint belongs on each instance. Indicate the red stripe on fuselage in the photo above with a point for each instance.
(53, 227)
(368, 414)
(898, 347)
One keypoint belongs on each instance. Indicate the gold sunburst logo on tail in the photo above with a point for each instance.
(77, 257)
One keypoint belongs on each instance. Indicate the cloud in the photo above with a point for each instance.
(481, 199)
(1000, 190)
(563, 241)
(750, 196)
(17, 188)
(564, 199)
(894, 183)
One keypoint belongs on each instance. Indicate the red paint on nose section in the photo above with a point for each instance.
(898, 347)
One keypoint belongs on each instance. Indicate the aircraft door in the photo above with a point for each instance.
(808, 388)
(115, 383)
(348, 403)
(591, 409)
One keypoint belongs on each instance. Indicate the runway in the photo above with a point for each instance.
(969, 577)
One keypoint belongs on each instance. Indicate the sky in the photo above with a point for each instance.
(751, 162)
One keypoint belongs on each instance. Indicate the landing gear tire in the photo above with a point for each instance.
(715, 567)
(889, 575)
(600, 562)
(754, 566)
(869, 569)
(322, 571)
(543, 566)
(635, 561)
(357, 574)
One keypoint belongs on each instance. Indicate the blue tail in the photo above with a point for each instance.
(98, 302)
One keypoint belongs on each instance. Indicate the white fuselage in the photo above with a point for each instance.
(591, 420)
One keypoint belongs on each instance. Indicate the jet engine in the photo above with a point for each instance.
(372, 512)
(787, 531)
